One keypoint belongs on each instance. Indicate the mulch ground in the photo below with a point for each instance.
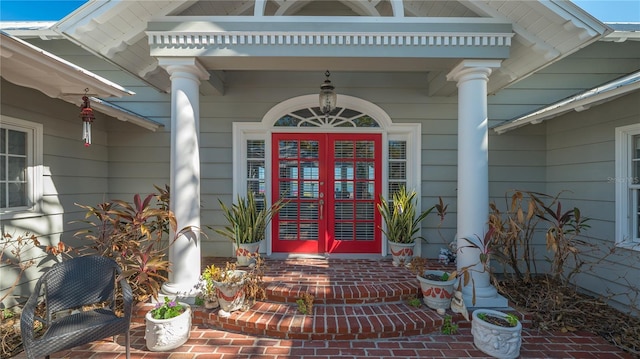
(558, 307)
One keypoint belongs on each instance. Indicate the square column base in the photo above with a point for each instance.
(497, 302)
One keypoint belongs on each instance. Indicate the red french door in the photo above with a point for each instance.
(331, 184)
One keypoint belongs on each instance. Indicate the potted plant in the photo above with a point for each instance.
(233, 288)
(207, 287)
(247, 223)
(402, 225)
(168, 325)
(436, 286)
(496, 333)
(437, 289)
(228, 286)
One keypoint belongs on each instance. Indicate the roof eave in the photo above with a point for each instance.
(32, 61)
(583, 101)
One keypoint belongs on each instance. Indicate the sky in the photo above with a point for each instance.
(51, 10)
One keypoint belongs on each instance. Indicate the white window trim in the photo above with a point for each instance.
(35, 181)
(622, 180)
(243, 131)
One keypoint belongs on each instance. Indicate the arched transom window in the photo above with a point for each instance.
(339, 117)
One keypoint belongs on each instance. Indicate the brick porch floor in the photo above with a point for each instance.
(360, 312)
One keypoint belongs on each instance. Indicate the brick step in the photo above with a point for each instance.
(353, 299)
(329, 321)
(374, 292)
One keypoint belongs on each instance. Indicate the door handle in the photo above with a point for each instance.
(321, 203)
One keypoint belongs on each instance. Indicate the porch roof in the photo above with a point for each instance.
(545, 32)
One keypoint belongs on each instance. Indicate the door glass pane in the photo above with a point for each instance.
(288, 149)
(309, 231)
(365, 210)
(344, 231)
(288, 189)
(365, 190)
(343, 189)
(344, 211)
(309, 149)
(309, 210)
(289, 211)
(343, 171)
(365, 149)
(287, 231)
(364, 231)
(365, 170)
(310, 170)
(343, 149)
(309, 189)
(288, 170)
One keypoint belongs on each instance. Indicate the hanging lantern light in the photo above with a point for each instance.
(86, 114)
(328, 97)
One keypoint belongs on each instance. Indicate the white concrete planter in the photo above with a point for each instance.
(230, 296)
(245, 253)
(167, 334)
(401, 253)
(497, 341)
(436, 294)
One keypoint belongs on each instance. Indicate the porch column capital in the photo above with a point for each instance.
(184, 66)
(473, 69)
(184, 254)
(472, 77)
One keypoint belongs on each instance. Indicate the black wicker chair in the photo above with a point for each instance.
(69, 285)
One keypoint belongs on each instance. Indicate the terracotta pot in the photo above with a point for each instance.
(495, 340)
(166, 334)
(436, 294)
(401, 253)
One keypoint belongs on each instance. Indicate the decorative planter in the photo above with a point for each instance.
(402, 253)
(230, 296)
(167, 334)
(497, 341)
(436, 294)
(244, 253)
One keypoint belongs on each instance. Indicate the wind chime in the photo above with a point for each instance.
(86, 114)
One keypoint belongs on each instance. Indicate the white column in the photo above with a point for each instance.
(473, 174)
(184, 254)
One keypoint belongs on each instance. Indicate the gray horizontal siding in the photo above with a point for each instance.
(581, 160)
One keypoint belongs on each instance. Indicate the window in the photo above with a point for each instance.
(627, 183)
(397, 166)
(20, 165)
(256, 171)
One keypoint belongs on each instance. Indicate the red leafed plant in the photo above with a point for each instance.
(137, 235)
